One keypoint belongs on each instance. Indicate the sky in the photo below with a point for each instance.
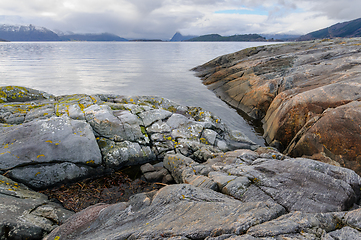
(161, 19)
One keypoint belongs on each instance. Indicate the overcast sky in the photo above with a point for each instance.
(162, 18)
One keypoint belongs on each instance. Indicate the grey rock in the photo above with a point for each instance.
(177, 164)
(57, 139)
(176, 120)
(75, 112)
(21, 94)
(156, 176)
(191, 130)
(189, 212)
(183, 171)
(296, 223)
(26, 214)
(42, 112)
(297, 184)
(40, 177)
(147, 168)
(167, 179)
(345, 233)
(232, 237)
(209, 136)
(353, 219)
(104, 123)
(151, 116)
(14, 189)
(159, 127)
(126, 154)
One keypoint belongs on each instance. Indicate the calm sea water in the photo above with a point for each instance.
(124, 68)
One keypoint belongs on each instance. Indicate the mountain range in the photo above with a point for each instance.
(33, 33)
(234, 38)
(345, 30)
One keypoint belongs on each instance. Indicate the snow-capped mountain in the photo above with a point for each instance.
(27, 33)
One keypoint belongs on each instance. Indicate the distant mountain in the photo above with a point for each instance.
(33, 33)
(91, 37)
(282, 37)
(178, 37)
(346, 30)
(26, 33)
(234, 38)
(146, 40)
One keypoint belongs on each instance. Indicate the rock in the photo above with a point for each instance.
(40, 177)
(26, 214)
(57, 139)
(105, 124)
(121, 154)
(21, 94)
(152, 116)
(307, 94)
(344, 233)
(342, 141)
(296, 184)
(189, 212)
(147, 168)
(297, 224)
(156, 176)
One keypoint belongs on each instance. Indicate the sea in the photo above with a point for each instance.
(124, 68)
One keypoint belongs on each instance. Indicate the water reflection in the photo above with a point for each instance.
(124, 68)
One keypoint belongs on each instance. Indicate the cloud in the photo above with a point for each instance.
(162, 18)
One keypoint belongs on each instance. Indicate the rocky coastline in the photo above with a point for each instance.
(307, 94)
(217, 184)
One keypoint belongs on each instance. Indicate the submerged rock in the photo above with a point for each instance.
(306, 93)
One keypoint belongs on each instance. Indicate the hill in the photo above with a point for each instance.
(92, 37)
(346, 30)
(178, 37)
(26, 33)
(234, 38)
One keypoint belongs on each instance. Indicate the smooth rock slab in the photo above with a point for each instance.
(175, 211)
(57, 139)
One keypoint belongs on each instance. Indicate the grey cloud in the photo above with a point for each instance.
(162, 18)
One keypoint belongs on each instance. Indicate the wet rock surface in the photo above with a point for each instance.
(307, 94)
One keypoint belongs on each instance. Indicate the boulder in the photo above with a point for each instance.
(26, 214)
(57, 139)
(307, 95)
(21, 94)
(29, 148)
